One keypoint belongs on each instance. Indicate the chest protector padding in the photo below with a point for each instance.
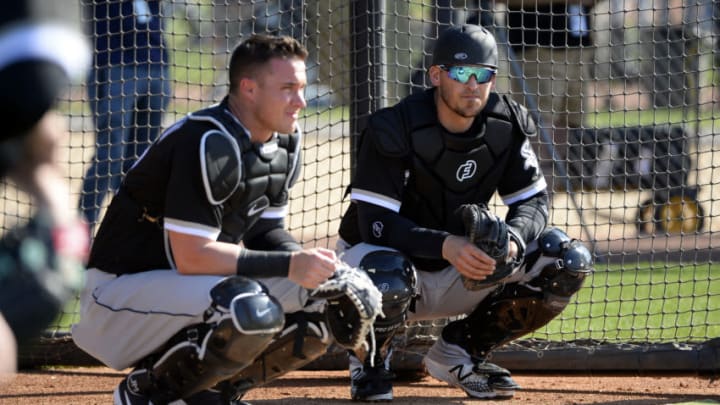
(266, 171)
(448, 170)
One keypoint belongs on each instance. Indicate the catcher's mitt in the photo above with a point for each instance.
(490, 234)
(353, 304)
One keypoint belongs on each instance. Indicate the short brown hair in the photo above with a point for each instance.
(258, 50)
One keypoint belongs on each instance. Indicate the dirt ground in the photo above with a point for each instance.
(94, 385)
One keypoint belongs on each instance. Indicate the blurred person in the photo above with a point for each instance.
(128, 91)
(418, 222)
(41, 49)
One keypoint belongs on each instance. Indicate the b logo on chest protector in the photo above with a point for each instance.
(377, 229)
(466, 170)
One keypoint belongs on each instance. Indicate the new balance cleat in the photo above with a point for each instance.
(450, 363)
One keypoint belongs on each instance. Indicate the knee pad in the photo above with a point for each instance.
(559, 265)
(395, 277)
(247, 318)
(557, 269)
(304, 339)
(239, 325)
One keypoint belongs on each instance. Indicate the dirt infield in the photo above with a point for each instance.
(94, 386)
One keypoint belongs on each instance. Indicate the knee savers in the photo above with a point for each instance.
(556, 271)
(240, 324)
(560, 264)
(394, 275)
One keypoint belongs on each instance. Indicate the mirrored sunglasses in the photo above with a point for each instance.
(462, 74)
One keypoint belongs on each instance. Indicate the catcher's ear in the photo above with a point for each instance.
(434, 74)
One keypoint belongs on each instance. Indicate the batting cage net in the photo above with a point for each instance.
(625, 94)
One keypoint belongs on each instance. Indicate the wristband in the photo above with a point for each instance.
(264, 264)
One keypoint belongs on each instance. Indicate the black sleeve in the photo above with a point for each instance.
(270, 234)
(381, 226)
(529, 217)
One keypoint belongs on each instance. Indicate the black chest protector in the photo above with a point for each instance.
(241, 178)
(447, 170)
(266, 171)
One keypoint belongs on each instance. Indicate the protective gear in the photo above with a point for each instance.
(395, 277)
(556, 271)
(525, 121)
(304, 339)
(353, 304)
(275, 167)
(492, 235)
(466, 44)
(240, 324)
(220, 165)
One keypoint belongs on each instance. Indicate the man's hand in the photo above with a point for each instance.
(311, 267)
(492, 236)
(468, 259)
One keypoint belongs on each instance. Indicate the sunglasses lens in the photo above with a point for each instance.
(483, 75)
(463, 74)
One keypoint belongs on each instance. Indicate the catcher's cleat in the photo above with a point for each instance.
(208, 397)
(370, 383)
(127, 393)
(450, 363)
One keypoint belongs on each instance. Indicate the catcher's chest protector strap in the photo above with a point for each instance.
(220, 165)
(265, 171)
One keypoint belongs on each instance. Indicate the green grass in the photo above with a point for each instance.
(650, 302)
(646, 303)
(658, 116)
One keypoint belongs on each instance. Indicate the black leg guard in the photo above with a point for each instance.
(556, 270)
(395, 277)
(240, 324)
(304, 339)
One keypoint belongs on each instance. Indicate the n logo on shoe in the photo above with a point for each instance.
(457, 370)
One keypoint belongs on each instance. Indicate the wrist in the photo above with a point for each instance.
(519, 251)
(260, 263)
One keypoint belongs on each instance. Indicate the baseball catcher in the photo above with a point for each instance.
(193, 279)
(418, 223)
